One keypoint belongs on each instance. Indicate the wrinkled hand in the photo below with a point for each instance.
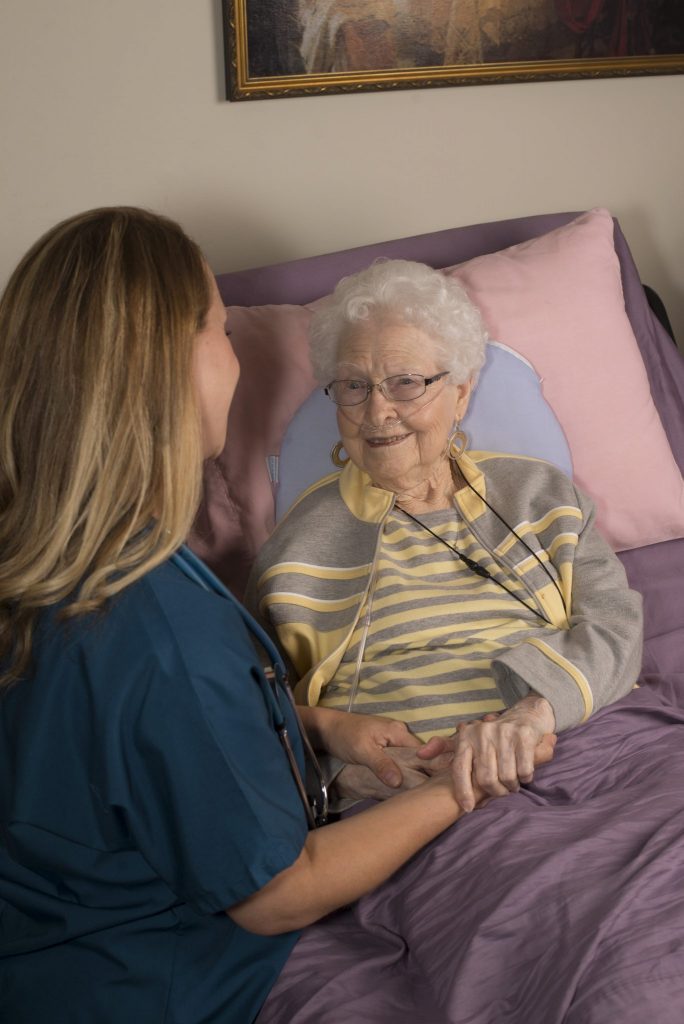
(360, 782)
(498, 752)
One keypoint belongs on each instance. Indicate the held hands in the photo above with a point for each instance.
(359, 782)
(370, 741)
(498, 752)
(380, 753)
(487, 757)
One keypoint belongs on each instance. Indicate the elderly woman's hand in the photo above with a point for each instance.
(361, 783)
(357, 782)
(499, 752)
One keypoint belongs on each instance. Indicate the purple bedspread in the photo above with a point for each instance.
(563, 903)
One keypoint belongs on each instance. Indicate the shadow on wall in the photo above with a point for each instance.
(653, 268)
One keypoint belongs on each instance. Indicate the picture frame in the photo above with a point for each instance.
(284, 48)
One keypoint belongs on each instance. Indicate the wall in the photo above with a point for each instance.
(122, 102)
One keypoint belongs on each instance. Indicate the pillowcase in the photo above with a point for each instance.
(507, 413)
(558, 301)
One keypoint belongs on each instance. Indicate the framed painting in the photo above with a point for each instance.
(310, 47)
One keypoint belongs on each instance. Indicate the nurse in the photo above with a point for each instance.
(157, 858)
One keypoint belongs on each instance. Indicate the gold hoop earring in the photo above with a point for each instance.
(337, 459)
(458, 442)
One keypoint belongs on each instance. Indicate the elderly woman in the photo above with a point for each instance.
(468, 595)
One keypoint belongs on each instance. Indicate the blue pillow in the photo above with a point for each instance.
(507, 413)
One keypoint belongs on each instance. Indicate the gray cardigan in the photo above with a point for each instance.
(326, 548)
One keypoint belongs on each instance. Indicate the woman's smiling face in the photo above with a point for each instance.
(401, 445)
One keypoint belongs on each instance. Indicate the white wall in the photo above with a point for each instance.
(107, 102)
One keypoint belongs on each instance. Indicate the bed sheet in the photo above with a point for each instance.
(562, 903)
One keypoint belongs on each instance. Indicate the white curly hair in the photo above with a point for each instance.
(403, 292)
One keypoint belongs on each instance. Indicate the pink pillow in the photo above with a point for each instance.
(558, 301)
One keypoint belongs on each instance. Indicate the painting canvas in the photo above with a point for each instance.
(299, 47)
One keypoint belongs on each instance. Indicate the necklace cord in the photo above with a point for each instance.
(520, 539)
(480, 570)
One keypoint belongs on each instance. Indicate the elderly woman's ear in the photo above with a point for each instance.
(463, 392)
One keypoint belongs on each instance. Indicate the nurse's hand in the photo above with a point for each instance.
(362, 740)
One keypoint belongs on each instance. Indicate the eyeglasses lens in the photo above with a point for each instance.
(401, 388)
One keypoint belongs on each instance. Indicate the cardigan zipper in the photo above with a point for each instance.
(367, 612)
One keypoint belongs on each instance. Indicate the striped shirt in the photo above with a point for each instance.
(423, 646)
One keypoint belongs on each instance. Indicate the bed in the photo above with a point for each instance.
(565, 902)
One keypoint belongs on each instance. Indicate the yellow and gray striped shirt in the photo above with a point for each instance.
(423, 646)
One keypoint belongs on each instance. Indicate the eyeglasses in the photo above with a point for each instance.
(403, 387)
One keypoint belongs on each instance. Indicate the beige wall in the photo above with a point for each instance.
(121, 102)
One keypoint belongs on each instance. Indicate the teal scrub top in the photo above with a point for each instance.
(143, 790)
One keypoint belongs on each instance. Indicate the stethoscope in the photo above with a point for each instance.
(272, 681)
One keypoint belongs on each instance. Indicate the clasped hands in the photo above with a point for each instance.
(494, 754)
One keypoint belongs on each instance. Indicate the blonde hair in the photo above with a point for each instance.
(100, 446)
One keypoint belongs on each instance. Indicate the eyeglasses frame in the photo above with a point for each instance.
(370, 386)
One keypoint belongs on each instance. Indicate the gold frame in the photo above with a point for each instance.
(239, 85)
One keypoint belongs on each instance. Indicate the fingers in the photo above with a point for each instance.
(494, 769)
(383, 734)
(435, 747)
(365, 739)
(493, 755)
(391, 764)
(517, 755)
(545, 749)
(386, 769)
(526, 741)
(397, 734)
(431, 766)
(462, 771)
(407, 758)
(510, 759)
(496, 756)
(357, 782)
(482, 758)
